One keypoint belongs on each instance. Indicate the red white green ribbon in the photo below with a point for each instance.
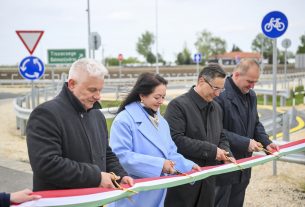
(99, 196)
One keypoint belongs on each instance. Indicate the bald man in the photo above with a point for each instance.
(243, 129)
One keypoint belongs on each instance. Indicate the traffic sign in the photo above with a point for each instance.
(286, 43)
(120, 57)
(31, 68)
(65, 56)
(274, 24)
(30, 38)
(197, 57)
(95, 40)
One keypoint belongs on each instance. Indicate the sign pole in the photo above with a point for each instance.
(32, 94)
(197, 68)
(274, 98)
(274, 25)
(285, 67)
(120, 69)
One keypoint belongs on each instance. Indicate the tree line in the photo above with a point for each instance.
(207, 44)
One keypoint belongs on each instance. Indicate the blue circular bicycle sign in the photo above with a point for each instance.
(274, 24)
(31, 68)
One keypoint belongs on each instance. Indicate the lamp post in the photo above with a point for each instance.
(157, 58)
(88, 10)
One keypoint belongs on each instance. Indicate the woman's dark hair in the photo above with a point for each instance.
(145, 85)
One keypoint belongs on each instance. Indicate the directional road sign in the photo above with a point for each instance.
(274, 24)
(65, 56)
(30, 38)
(286, 43)
(95, 41)
(31, 68)
(197, 58)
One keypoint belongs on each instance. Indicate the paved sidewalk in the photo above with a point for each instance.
(14, 175)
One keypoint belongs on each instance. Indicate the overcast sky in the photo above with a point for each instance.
(121, 22)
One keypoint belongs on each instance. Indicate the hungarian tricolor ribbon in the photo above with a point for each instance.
(91, 197)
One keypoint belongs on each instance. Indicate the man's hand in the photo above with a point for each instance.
(23, 196)
(254, 146)
(106, 180)
(127, 180)
(272, 147)
(221, 155)
(230, 160)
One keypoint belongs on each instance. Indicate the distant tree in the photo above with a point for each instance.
(144, 45)
(235, 49)
(150, 58)
(281, 55)
(112, 61)
(301, 48)
(160, 59)
(184, 57)
(209, 45)
(259, 42)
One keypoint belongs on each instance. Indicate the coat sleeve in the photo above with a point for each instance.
(260, 134)
(136, 164)
(182, 164)
(191, 147)
(5, 200)
(46, 157)
(113, 164)
(237, 142)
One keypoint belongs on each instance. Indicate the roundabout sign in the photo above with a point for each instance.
(31, 68)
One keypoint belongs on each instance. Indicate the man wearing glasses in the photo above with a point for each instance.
(243, 129)
(195, 122)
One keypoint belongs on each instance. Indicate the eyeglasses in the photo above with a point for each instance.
(215, 89)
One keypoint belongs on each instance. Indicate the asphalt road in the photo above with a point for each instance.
(13, 180)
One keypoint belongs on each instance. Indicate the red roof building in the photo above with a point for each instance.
(231, 58)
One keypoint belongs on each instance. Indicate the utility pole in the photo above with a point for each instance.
(89, 32)
(157, 58)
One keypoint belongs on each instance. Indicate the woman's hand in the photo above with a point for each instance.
(168, 167)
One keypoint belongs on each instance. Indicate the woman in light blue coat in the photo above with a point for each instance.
(141, 139)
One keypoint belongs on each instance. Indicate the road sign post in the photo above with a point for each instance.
(95, 42)
(197, 60)
(274, 25)
(286, 44)
(120, 59)
(65, 56)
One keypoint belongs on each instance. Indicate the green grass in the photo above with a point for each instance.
(298, 98)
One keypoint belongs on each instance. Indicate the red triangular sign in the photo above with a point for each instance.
(30, 38)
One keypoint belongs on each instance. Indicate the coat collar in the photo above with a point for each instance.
(198, 100)
(74, 101)
(146, 128)
(232, 90)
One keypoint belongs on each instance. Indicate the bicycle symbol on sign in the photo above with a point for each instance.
(274, 23)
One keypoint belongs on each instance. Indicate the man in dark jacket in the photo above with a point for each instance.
(195, 122)
(243, 130)
(67, 137)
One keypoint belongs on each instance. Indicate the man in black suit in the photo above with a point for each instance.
(195, 122)
(243, 129)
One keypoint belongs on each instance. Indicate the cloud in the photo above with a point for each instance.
(120, 16)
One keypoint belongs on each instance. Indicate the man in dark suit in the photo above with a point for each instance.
(67, 137)
(243, 129)
(195, 122)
